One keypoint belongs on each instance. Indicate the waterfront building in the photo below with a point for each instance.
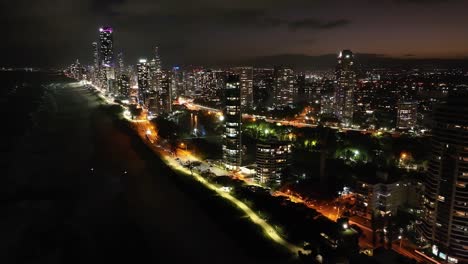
(273, 159)
(232, 145)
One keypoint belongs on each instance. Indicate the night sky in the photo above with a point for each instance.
(56, 32)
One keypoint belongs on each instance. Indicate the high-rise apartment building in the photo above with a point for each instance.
(232, 147)
(284, 86)
(444, 223)
(106, 55)
(143, 81)
(124, 86)
(246, 85)
(407, 115)
(120, 63)
(106, 47)
(273, 158)
(96, 67)
(95, 55)
(345, 84)
(263, 86)
(164, 95)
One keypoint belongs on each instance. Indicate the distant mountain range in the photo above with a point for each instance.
(328, 61)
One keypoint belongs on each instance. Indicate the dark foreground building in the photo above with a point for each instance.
(445, 202)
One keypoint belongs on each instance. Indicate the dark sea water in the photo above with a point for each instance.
(76, 187)
(20, 95)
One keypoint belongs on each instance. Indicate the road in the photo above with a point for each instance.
(175, 162)
(407, 251)
(295, 123)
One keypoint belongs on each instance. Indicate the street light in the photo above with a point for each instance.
(182, 145)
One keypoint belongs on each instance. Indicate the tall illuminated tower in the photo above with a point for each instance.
(157, 59)
(345, 85)
(120, 63)
(246, 85)
(106, 51)
(95, 55)
(96, 67)
(284, 86)
(156, 74)
(124, 86)
(143, 81)
(232, 147)
(444, 223)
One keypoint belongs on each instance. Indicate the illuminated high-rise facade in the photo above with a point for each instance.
(232, 147)
(124, 86)
(163, 99)
(272, 158)
(106, 51)
(143, 81)
(246, 85)
(106, 47)
(444, 223)
(95, 55)
(120, 63)
(156, 74)
(157, 59)
(407, 114)
(284, 87)
(95, 63)
(345, 85)
(177, 82)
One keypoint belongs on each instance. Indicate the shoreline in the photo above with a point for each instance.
(236, 212)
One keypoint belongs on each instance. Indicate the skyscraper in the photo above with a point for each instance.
(156, 74)
(177, 83)
(106, 53)
(143, 81)
(345, 84)
(232, 147)
(120, 63)
(246, 85)
(157, 59)
(299, 90)
(407, 115)
(106, 49)
(124, 86)
(284, 87)
(263, 86)
(164, 95)
(444, 223)
(96, 67)
(95, 56)
(272, 159)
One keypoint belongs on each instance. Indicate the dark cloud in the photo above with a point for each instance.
(312, 23)
(307, 23)
(423, 1)
(56, 32)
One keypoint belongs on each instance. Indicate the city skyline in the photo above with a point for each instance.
(229, 32)
(235, 131)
